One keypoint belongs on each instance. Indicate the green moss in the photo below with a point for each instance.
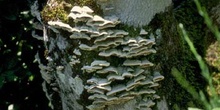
(52, 13)
(85, 2)
(174, 52)
(133, 31)
(188, 15)
(176, 107)
(61, 8)
(209, 4)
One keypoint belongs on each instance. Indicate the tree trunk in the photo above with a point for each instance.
(101, 60)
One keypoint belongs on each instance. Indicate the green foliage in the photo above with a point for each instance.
(208, 21)
(20, 80)
(184, 83)
(172, 51)
(188, 16)
(213, 101)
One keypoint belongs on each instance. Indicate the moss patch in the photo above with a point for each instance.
(174, 52)
(56, 12)
(59, 9)
(133, 31)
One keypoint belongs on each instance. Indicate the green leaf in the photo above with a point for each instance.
(184, 83)
(193, 109)
(31, 78)
(216, 109)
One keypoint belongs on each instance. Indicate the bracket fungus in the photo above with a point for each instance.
(77, 52)
(81, 14)
(111, 83)
(78, 35)
(60, 25)
(157, 77)
(143, 32)
(147, 104)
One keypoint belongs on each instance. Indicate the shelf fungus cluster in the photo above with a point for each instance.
(112, 83)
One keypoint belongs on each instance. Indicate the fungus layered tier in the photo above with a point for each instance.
(112, 83)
